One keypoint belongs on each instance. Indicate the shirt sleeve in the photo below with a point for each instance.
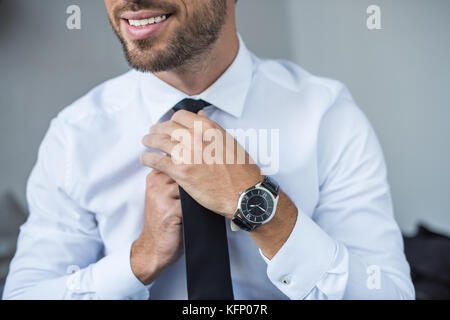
(60, 252)
(351, 247)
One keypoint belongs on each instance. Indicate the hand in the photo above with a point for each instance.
(214, 184)
(212, 171)
(161, 241)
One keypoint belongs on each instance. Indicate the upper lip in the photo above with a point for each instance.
(140, 15)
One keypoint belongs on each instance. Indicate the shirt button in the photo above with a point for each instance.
(286, 280)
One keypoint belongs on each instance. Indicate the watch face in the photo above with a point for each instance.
(257, 205)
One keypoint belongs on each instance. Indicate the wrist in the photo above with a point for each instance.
(271, 236)
(241, 187)
(144, 264)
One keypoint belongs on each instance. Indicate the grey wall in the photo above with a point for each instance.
(399, 76)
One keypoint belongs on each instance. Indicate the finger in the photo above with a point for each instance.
(176, 209)
(167, 128)
(203, 114)
(160, 142)
(157, 161)
(174, 191)
(153, 173)
(156, 174)
(156, 179)
(164, 179)
(186, 118)
(176, 131)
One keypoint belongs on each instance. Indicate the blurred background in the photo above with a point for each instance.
(399, 76)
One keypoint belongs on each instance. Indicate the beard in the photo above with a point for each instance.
(187, 44)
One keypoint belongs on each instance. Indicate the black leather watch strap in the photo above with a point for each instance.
(271, 185)
(242, 223)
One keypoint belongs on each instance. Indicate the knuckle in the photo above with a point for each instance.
(165, 139)
(154, 129)
(171, 219)
(175, 208)
(164, 207)
(150, 186)
(179, 114)
(160, 163)
(173, 189)
(185, 170)
(149, 178)
(178, 206)
(144, 158)
(147, 140)
(152, 179)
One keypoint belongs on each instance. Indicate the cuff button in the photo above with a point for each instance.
(286, 280)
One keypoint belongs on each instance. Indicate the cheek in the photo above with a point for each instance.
(188, 8)
(110, 6)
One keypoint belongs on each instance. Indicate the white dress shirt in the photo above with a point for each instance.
(86, 192)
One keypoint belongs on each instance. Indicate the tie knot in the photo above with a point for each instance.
(191, 105)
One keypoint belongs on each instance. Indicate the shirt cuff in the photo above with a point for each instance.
(114, 279)
(303, 260)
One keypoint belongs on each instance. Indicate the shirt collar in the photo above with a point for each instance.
(228, 93)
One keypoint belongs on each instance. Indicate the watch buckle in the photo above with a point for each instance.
(234, 226)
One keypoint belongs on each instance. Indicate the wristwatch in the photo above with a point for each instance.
(257, 205)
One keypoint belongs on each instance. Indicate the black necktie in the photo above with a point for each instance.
(205, 241)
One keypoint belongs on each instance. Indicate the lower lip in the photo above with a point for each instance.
(141, 33)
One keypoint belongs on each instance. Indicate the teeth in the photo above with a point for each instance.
(146, 22)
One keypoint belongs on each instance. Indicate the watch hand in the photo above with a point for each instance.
(257, 206)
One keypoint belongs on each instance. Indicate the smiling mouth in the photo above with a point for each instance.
(142, 23)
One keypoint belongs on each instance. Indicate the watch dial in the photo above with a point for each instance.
(257, 205)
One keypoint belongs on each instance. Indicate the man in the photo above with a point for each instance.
(104, 226)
